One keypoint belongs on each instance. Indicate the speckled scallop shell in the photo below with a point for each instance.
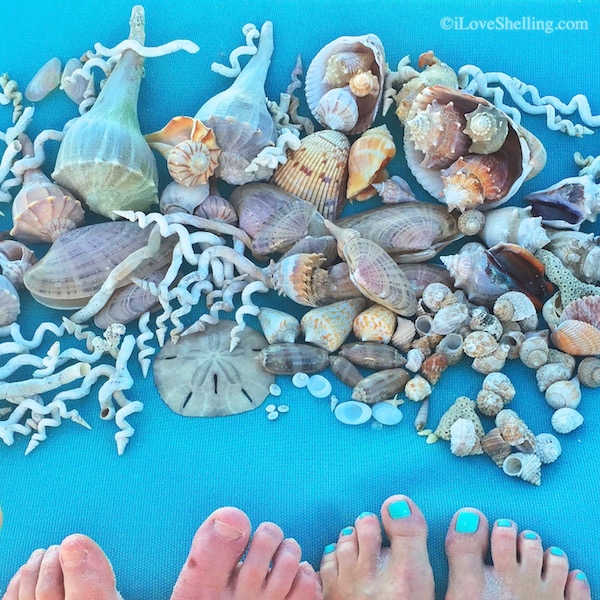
(317, 172)
(278, 326)
(329, 326)
(337, 63)
(337, 110)
(10, 304)
(375, 324)
(369, 154)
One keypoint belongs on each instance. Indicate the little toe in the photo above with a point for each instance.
(556, 568)
(285, 568)
(224, 534)
(306, 585)
(368, 533)
(328, 572)
(87, 573)
(347, 553)
(531, 554)
(50, 584)
(466, 546)
(253, 573)
(578, 587)
(504, 546)
(30, 572)
(12, 591)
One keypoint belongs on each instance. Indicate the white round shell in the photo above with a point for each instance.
(386, 414)
(353, 413)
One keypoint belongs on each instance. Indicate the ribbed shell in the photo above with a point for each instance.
(337, 110)
(404, 334)
(376, 324)
(10, 305)
(318, 171)
(577, 338)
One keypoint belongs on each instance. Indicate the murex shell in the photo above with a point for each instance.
(336, 66)
(79, 262)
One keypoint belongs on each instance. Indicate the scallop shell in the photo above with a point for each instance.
(479, 343)
(380, 386)
(547, 448)
(551, 373)
(472, 222)
(489, 403)
(462, 437)
(577, 338)
(345, 371)
(495, 447)
(450, 318)
(15, 260)
(514, 306)
(10, 305)
(534, 352)
(368, 156)
(317, 172)
(179, 198)
(564, 393)
(337, 110)
(433, 366)
(565, 420)
(79, 262)
(44, 81)
(329, 326)
(452, 347)
(417, 389)
(278, 326)
(336, 64)
(501, 385)
(487, 127)
(353, 413)
(394, 191)
(375, 324)
(289, 359)
(463, 408)
(492, 362)
(589, 372)
(404, 334)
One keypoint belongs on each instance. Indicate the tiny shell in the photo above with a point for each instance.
(380, 386)
(288, 359)
(514, 306)
(449, 318)
(551, 373)
(404, 334)
(525, 466)
(488, 128)
(318, 386)
(10, 305)
(464, 408)
(589, 372)
(44, 81)
(372, 355)
(274, 390)
(500, 384)
(386, 414)
(417, 389)
(375, 324)
(364, 84)
(353, 413)
(489, 403)
(394, 190)
(564, 393)
(300, 380)
(345, 371)
(534, 352)
(462, 437)
(547, 448)
(491, 362)
(471, 222)
(495, 447)
(337, 110)
(433, 367)
(422, 415)
(482, 320)
(479, 343)
(273, 415)
(514, 340)
(452, 347)
(565, 420)
(278, 326)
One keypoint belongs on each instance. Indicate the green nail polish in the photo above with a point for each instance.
(467, 522)
(530, 536)
(366, 514)
(399, 509)
(504, 523)
(347, 531)
(329, 549)
(556, 551)
(581, 577)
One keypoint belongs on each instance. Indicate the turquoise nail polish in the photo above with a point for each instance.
(504, 523)
(366, 514)
(347, 531)
(530, 536)
(467, 522)
(581, 577)
(399, 509)
(556, 551)
(329, 549)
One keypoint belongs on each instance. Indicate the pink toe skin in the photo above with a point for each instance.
(368, 533)
(285, 568)
(531, 553)
(578, 587)
(504, 547)
(306, 585)
(225, 534)
(556, 569)
(29, 575)
(12, 591)
(329, 571)
(87, 573)
(50, 582)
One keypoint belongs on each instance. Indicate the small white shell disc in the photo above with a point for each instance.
(275, 390)
(319, 386)
(283, 408)
(352, 412)
(300, 380)
(272, 415)
(270, 408)
(386, 414)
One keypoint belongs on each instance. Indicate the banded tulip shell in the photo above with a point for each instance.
(369, 155)
(579, 252)
(578, 332)
(410, 232)
(337, 65)
(318, 171)
(10, 304)
(375, 324)
(475, 180)
(79, 262)
(337, 110)
(374, 272)
(278, 326)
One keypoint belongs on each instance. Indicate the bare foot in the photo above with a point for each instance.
(521, 570)
(75, 570)
(212, 570)
(357, 568)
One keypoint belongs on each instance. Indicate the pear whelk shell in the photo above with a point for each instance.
(547, 448)
(564, 393)
(369, 155)
(488, 128)
(278, 326)
(317, 172)
(337, 110)
(588, 372)
(565, 420)
(44, 81)
(10, 305)
(375, 324)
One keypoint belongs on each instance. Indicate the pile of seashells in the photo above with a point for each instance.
(367, 274)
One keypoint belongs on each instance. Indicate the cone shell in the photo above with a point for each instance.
(318, 171)
(329, 326)
(368, 156)
(10, 305)
(278, 326)
(463, 408)
(404, 334)
(376, 324)
(289, 359)
(495, 447)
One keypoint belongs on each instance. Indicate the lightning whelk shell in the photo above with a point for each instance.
(564, 393)
(337, 110)
(278, 326)
(375, 324)
(565, 420)
(588, 372)
(44, 81)
(10, 305)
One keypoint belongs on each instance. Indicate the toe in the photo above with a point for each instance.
(12, 591)
(466, 546)
(50, 582)
(29, 575)
(368, 533)
(578, 587)
(556, 569)
(87, 573)
(347, 553)
(285, 568)
(504, 546)
(329, 569)
(306, 585)
(225, 534)
(531, 554)
(265, 542)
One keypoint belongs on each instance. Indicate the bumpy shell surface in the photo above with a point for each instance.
(435, 295)
(516, 226)
(479, 343)
(579, 252)
(514, 431)
(417, 389)
(547, 448)
(463, 408)
(564, 393)
(482, 320)
(336, 64)
(492, 362)
(495, 447)
(514, 306)
(565, 420)
(589, 372)
(487, 127)
(10, 304)
(551, 373)
(414, 360)
(278, 326)
(318, 171)
(471, 222)
(337, 110)
(489, 403)
(450, 318)
(462, 437)
(500, 384)
(375, 324)
(294, 277)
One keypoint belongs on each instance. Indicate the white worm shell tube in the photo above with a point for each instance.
(120, 379)
(145, 352)
(122, 437)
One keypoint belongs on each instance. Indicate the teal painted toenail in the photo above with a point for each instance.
(329, 549)
(467, 522)
(366, 514)
(530, 536)
(581, 577)
(556, 551)
(504, 523)
(399, 509)
(347, 531)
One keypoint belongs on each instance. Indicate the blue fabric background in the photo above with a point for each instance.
(306, 471)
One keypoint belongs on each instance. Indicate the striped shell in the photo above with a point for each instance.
(376, 324)
(404, 334)
(337, 110)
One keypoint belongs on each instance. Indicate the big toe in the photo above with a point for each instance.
(466, 546)
(87, 573)
(216, 550)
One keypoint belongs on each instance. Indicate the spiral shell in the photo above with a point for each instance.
(565, 420)
(179, 198)
(375, 324)
(547, 448)
(44, 81)
(452, 347)
(293, 277)
(278, 326)
(471, 222)
(462, 437)
(534, 352)
(515, 226)
(488, 128)
(363, 84)
(417, 389)
(491, 362)
(481, 320)
(479, 343)
(589, 372)
(435, 295)
(501, 385)
(514, 431)
(525, 466)
(216, 208)
(433, 366)
(550, 373)
(514, 306)
(394, 191)
(404, 334)
(489, 403)
(15, 260)
(514, 340)
(10, 305)
(495, 447)
(450, 318)
(578, 251)
(343, 66)
(337, 110)
(556, 356)
(564, 393)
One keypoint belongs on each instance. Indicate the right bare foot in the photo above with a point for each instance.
(213, 571)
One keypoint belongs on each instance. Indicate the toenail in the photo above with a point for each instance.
(504, 523)
(556, 551)
(329, 549)
(347, 531)
(74, 557)
(467, 522)
(581, 576)
(366, 514)
(399, 509)
(530, 536)
(227, 531)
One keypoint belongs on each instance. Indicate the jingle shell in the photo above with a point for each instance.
(369, 154)
(588, 372)
(489, 403)
(394, 190)
(514, 306)
(501, 385)
(329, 326)
(44, 81)
(462, 437)
(433, 366)
(10, 304)
(404, 334)
(463, 408)
(345, 371)
(288, 359)
(565, 420)
(318, 171)
(547, 448)
(550, 373)
(372, 355)
(353, 413)
(380, 386)
(479, 343)
(375, 324)
(278, 326)
(495, 447)
(417, 389)
(452, 347)
(564, 393)
(386, 414)
(337, 110)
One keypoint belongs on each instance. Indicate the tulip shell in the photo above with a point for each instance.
(375, 324)
(10, 305)
(288, 359)
(462, 437)
(564, 393)
(547, 448)
(278, 326)
(353, 413)
(565, 420)
(589, 372)
(380, 386)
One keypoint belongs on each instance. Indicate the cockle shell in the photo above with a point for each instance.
(433, 366)
(450, 318)
(525, 466)
(15, 260)
(375, 324)
(452, 347)
(463, 408)
(337, 110)
(578, 332)
(318, 171)
(10, 304)
(288, 359)
(564, 393)
(487, 127)
(482, 320)
(501, 385)
(44, 81)
(491, 362)
(547, 448)
(565, 420)
(516, 226)
(417, 389)
(489, 403)
(495, 447)
(394, 190)
(435, 295)
(588, 372)
(462, 437)
(479, 343)
(369, 154)
(514, 306)
(372, 355)
(550, 373)
(404, 334)
(380, 386)
(79, 262)
(335, 66)
(345, 371)
(579, 252)
(471, 222)
(278, 326)
(329, 326)
(410, 232)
